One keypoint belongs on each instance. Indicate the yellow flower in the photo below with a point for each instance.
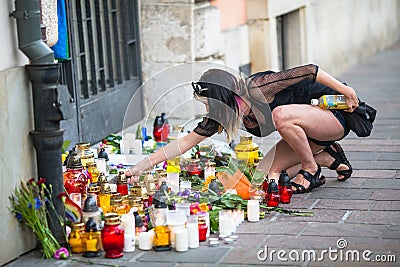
(207, 182)
(204, 206)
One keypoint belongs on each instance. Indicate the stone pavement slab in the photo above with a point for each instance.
(200, 255)
(341, 204)
(344, 229)
(386, 205)
(374, 217)
(342, 193)
(386, 194)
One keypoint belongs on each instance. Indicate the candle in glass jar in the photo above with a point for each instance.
(181, 240)
(253, 210)
(146, 240)
(192, 227)
(224, 223)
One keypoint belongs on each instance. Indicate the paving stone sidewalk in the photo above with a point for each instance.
(351, 218)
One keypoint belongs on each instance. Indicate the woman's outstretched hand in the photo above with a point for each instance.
(133, 175)
(351, 99)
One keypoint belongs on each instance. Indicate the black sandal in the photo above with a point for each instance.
(315, 181)
(340, 158)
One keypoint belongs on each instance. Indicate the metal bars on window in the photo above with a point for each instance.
(105, 43)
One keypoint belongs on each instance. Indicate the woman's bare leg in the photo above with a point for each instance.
(296, 123)
(282, 157)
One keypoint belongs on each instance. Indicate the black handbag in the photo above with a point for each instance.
(361, 120)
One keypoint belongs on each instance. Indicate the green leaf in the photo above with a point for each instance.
(258, 177)
(65, 145)
(139, 132)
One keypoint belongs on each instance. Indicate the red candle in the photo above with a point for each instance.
(286, 194)
(273, 199)
(265, 186)
(112, 237)
(76, 181)
(202, 231)
(122, 188)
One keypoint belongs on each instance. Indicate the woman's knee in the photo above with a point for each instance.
(281, 116)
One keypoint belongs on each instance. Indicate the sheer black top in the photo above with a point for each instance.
(267, 90)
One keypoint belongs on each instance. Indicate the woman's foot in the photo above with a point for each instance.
(306, 181)
(334, 158)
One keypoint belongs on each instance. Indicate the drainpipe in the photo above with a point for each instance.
(50, 104)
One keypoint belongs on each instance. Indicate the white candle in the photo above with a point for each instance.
(193, 229)
(232, 223)
(181, 240)
(128, 223)
(129, 242)
(102, 165)
(253, 210)
(224, 223)
(184, 207)
(146, 240)
(172, 230)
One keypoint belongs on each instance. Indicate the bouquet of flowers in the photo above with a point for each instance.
(30, 203)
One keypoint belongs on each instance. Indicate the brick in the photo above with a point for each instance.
(381, 174)
(382, 183)
(374, 217)
(375, 165)
(252, 240)
(240, 257)
(374, 244)
(203, 254)
(271, 228)
(343, 229)
(298, 204)
(392, 232)
(386, 194)
(341, 193)
(319, 216)
(339, 204)
(349, 183)
(300, 242)
(387, 205)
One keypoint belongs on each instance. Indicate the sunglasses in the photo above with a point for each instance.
(198, 91)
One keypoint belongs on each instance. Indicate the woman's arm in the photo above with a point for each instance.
(351, 96)
(170, 151)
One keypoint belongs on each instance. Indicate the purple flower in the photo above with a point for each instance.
(120, 166)
(186, 193)
(62, 253)
(30, 205)
(196, 196)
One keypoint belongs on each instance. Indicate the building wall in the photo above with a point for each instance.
(334, 34)
(342, 33)
(17, 157)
